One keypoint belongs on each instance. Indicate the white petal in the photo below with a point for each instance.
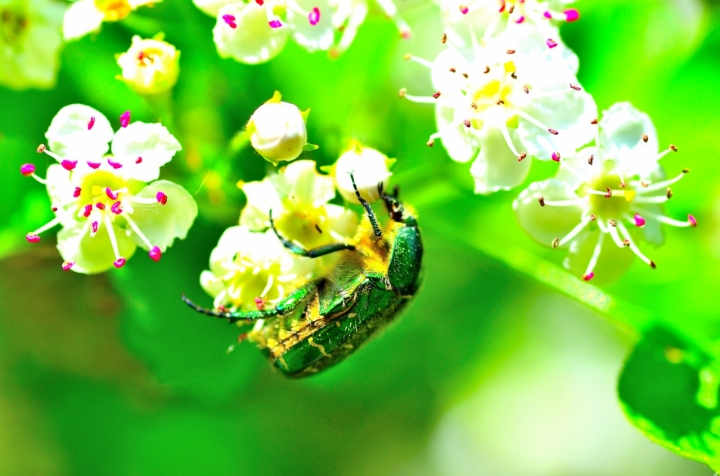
(81, 18)
(68, 134)
(253, 41)
(546, 223)
(458, 143)
(496, 167)
(161, 224)
(261, 198)
(151, 142)
(303, 184)
(92, 254)
(621, 130)
(312, 37)
(368, 166)
(341, 221)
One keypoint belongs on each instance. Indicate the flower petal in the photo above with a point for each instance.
(152, 142)
(81, 18)
(459, 144)
(545, 223)
(253, 41)
(161, 224)
(621, 130)
(68, 134)
(312, 37)
(303, 184)
(612, 263)
(92, 254)
(496, 167)
(261, 198)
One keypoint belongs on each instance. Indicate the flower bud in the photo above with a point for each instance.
(277, 131)
(149, 66)
(368, 167)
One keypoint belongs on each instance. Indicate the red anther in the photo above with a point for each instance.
(609, 193)
(553, 132)
(547, 14)
(260, 2)
(430, 143)
(119, 263)
(639, 221)
(510, 52)
(526, 88)
(100, 206)
(125, 119)
(520, 20)
(467, 123)
(260, 303)
(115, 165)
(32, 237)
(575, 87)
(673, 148)
(27, 169)
(243, 337)
(115, 208)
(593, 217)
(230, 19)
(436, 95)
(53, 208)
(40, 149)
(67, 265)
(314, 16)
(541, 201)
(405, 34)
(138, 160)
(464, 9)
(556, 156)
(155, 254)
(588, 276)
(571, 15)
(86, 212)
(93, 165)
(275, 24)
(645, 138)
(591, 158)
(653, 265)
(111, 195)
(444, 38)
(161, 198)
(68, 164)
(76, 192)
(692, 220)
(91, 122)
(94, 227)
(522, 156)
(502, 6)
(551, 43)
(594, 121)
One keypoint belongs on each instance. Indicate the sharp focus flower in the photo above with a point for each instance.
(87, 16)
(256, 31)
(277, 130)
(251, 269)
(149, 66)
(609, 193)
(298, 199)
(30, 43)
(489, 18)
(505, 105)
(103, 203)
(369, 168)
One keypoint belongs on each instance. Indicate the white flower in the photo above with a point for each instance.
(149, 66)
(102, 202)
(30, 43)
(86, 16)
(369, 168)
(250, 269)
(298, 197)
(611, 191)
(505, 105)
(277, 130)
(256, 31)
(488, 19)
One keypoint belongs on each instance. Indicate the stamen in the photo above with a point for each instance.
(161, 198)
(663, 184)
(144, 238)
(40, 149)
(658, 199)
(94, 165)
(268, 285)
(591, 158)
(119, 261)
(565, 203)
(522, 156)
(124, 119)
(531, 119)
(692, 221)
(418, 99)
(645, 138)
(100, 206)
(574, 232)
(314, 16)
(111, 195)
(94, 227)
(555, 156)
(115, 165)
(506, 135)
(615, 235)
(139, 160)
(571, 15)
(589, 271)
(67, 265)
(91, 122)
(639, 221)
(670, 221)
(275, 24)
(87, 211)
(115, 208)
(68, 164)
(155, 253)
(34, 238)
(634, 247)
(77, 192)
(27, 169)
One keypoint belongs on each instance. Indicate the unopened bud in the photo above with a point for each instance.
(277, 131)
(368, 167)
(150, 66)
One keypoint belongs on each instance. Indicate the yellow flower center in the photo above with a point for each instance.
(495, 89)
(614, 206)
(93, 189)
(114, 10)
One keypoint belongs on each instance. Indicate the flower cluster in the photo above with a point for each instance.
(250, 268)
(506, 93)
(256, 31)
(150, 66)
(103, 202)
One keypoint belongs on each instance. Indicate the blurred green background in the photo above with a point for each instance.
(497, 368)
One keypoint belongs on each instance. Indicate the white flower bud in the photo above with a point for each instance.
(368, 167)
(277, 131)
(149, 66)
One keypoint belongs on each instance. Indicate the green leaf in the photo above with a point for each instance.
(669, 391)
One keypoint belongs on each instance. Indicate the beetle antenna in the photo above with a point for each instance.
(368, 209)
(311, 253)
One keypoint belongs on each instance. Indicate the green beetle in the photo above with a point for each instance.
(321, 323)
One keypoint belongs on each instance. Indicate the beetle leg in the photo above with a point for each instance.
(313, 252)
(232, 317)
(368, 209)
